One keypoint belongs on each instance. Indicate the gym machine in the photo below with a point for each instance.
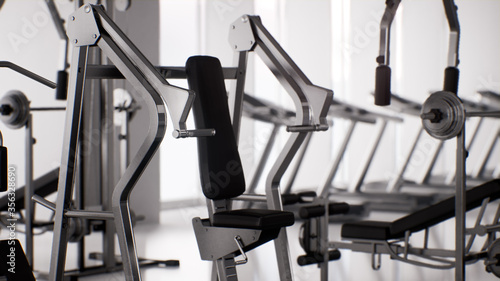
(311, 107)
(443, 117)
(16, 113)
(90, 26)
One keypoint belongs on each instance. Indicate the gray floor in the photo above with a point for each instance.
(173, 238)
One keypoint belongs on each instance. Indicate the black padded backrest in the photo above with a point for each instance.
(445, 209)
(220, 166)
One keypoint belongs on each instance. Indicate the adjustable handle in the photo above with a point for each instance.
(383, 85)
(451, 75)
(193, 133)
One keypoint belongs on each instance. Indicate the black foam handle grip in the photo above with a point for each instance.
(308, 212)
(62, 85)
(3, 169)
(451, 75)
(313, 211)
(383, 85)
(338, 208)
(312, 258)
(290, 199)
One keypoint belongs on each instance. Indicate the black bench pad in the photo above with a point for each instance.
(421, 219)
(253, 219)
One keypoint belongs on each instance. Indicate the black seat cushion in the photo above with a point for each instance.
(221, 172)
(423, 218)
(253, 219)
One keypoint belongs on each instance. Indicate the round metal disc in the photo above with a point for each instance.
(494, 255)
(122, 5)
(20, 109)
(449, 115)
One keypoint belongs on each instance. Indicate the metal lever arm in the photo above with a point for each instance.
(178, 100)
(312, 102)
(28, 73)
(451, 15)
(451, 73)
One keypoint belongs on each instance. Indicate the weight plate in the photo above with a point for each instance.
(19, 106)
(443, 115)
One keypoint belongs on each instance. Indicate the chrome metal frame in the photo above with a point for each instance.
(91, 26)
(311, 108)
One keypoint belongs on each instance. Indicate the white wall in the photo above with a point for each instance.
(335, 43)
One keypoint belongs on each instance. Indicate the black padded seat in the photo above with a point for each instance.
(421, 219)
(253, 219)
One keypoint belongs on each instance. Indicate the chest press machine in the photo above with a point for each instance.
(90, 26)
(228, 233)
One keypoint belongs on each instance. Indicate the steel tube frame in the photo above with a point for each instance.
(154, 92)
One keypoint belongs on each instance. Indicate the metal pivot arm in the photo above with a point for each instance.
(451, 72)
(383, 71)
(90, 26)
(311, 102)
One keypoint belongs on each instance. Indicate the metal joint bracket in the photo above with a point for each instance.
(241, 36)
(82, 27)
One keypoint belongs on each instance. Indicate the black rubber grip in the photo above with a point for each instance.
(383, 85)
(289, 199)
(451, 75)
(316, 258)
(338, 208)
(62, 85)
(308, 212)
(3, 169)
(313, 211)
(303, 194)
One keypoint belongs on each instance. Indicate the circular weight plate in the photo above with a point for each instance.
(494, 255)
(76, 229)
(445, 115)
(19, 104)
